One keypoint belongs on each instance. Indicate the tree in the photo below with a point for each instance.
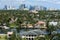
(18, 37)
(13, 36)
(39, 38)
(24, 39)
(56, 37)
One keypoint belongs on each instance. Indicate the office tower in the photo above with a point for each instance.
(22, 6)
(5, 7)
(31, 7)
(42, 8)
(34, 8)
(11, 8)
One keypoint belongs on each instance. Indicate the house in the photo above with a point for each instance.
(9, 34)
(55, 32)
(33, 34)
(54, 23)
(26, 25)
(34, 11)
(23, 25)
(5, 27)
(40, 24)
(29, 25)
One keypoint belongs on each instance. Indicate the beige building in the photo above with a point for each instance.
(40, 24)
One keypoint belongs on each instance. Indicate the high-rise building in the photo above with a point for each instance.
(8, 8)
(37, 8)
(22, 6)
(31, 7)
(11, 8)
(5, 7)
(42, 8)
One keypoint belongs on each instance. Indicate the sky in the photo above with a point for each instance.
(16, 3)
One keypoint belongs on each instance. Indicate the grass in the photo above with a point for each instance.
(13, 25)
(2, 36)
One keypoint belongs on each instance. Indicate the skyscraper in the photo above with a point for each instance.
(22, 6)
(42, 8)
(11, 8)
(5, 7)
(31, 7)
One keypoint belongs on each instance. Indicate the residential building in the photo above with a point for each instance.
(29, 25)
(41, 25)
(9, 34)
(34, 11)
(30, 35)
(53, 23)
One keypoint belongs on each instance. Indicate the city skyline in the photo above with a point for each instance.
(17, 3)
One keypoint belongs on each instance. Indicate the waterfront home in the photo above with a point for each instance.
(56, 32)
(23, 25)
(33, 34)
(29, 25)
(9, 34)
(40, 24)
(5, 27)
(54, 23)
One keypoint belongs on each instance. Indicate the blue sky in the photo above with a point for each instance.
(16, 3)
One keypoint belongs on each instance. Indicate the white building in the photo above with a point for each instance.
(30, 35)
(11, 8)
(52, 9)
(34, 11)
(42, 8)
(53, 23)
(25, 9)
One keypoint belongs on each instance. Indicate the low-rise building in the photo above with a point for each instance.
(9, 34)
(40, 24)
(33, 34)
(53, 23)
(29, 25)
(34, 11)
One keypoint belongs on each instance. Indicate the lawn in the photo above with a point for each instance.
(2, 36)
(13, 25)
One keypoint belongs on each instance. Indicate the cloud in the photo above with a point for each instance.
(51, 1)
